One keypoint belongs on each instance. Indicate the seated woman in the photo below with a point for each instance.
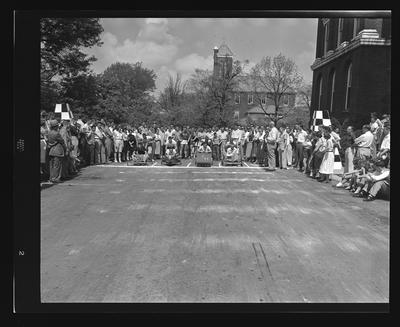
(204, 148)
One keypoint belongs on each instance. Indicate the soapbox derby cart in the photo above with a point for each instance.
(140, 157)
(203, 159)
(171, 160)
(232, 154)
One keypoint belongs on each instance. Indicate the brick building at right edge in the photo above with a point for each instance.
(351, 72)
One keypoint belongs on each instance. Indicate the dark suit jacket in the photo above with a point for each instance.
(56, 144)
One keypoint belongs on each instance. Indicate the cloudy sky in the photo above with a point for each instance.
(171, 45)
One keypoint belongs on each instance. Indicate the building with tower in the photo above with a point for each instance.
(246, 99)
(352, 68)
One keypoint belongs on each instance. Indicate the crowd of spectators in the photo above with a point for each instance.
(68, 145)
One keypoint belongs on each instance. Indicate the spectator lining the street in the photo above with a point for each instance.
(364, 143)
(326, 168)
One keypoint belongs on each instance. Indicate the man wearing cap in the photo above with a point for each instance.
(57, 150)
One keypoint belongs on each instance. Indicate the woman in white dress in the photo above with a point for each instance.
(328, 160)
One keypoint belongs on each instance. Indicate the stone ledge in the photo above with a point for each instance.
(344, 48)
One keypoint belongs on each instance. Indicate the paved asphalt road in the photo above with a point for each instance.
(185, 234)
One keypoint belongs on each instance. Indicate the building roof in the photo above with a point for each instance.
(224, 51)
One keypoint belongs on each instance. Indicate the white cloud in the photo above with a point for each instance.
(190, 62)
(154, 46)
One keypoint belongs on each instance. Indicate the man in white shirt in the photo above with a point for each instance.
(301, 138)
(272, 139)
(385, 145)
(237, 133)
(364, 143)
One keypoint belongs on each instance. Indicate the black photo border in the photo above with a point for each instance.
(26, 176)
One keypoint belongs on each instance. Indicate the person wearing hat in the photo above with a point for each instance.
(57, 149)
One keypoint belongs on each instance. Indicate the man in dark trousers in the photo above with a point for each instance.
(57, 150)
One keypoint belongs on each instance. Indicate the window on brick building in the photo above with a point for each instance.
(237, 98)
(250, 99)
(332, 95)
(236, 115)
(348, 87)
(326, 35)
(264, 100)
(340, 31)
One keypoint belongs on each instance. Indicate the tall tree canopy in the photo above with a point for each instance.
(64, 65)
(124, 92)
(62, 40)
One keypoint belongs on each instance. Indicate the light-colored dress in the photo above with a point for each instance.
(328, 159)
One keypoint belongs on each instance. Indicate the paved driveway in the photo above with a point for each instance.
(185, 234)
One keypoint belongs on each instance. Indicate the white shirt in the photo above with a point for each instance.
(117, 135)
(386, 142)
(237, 134)
(384, 174)
(273, 135)
(365, 140)
(167, 134)
(223, 135)
(301, 136)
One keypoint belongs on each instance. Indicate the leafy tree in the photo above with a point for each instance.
(124, 92)
(81, 92)
(222, 90)
(276, 77)
(62, 40)
(62, 58)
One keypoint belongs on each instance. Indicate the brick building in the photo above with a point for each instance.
(246, 99)
(351, 72)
